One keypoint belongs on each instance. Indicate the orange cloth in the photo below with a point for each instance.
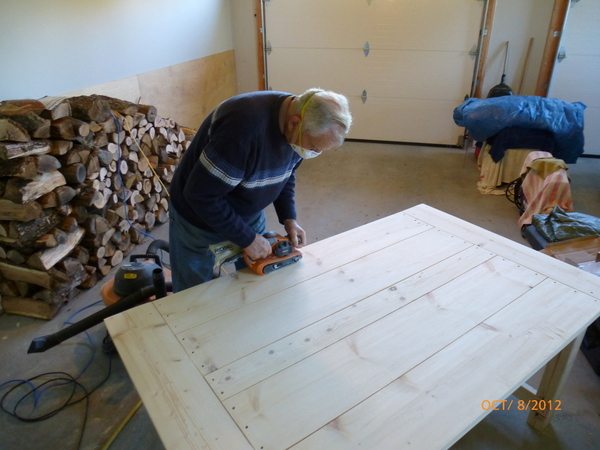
(545, 186)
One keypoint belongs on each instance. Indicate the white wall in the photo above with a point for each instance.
(245, 43)
(48, 47)
(516, 21)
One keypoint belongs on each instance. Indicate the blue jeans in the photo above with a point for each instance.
(191, 260)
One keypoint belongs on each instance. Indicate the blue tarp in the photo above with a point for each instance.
(484, 118)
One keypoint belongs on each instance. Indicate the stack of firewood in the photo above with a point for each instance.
(82, 181)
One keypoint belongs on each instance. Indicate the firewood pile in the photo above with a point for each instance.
(82, 180)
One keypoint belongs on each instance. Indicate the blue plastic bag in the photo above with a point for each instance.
(484, 118)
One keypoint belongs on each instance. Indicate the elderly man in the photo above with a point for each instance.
(243, 158)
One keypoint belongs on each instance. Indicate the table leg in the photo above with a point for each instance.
(555, 375)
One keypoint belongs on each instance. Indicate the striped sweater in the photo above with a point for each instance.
(238, 163)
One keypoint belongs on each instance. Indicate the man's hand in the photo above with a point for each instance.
(295, 232)
(260, 248)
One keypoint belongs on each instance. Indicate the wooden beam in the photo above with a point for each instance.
(555, 31)
(260, 45)
(485, 43)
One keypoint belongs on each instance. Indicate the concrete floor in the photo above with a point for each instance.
(336, 192)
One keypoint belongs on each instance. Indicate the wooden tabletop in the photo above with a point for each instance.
(390, 335)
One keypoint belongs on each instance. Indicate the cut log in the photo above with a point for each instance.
(91, 278)
(90, 108)
(69, 128)
(60, 295)
(81, 254)
(80, 213)
(68, 224)
(93, 168)
(162, 216)
(106, 237)
(22, 191)
(48, 258)
(149, 220)
(55, 107)
(105, 157)
(26, 113)
(65, 194)
(29, 307)
(19, 212)
(15, 257)
(123, 107)
(100, 139)
(26, 232)
(75, 173)
(97, 225)
(12, 131)
(59, 147)
(29, 167)
(19, 273)
(117, 258)
(48, 200)
(45, 241)
(10, 150)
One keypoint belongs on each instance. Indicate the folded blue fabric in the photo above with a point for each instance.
(484, 118)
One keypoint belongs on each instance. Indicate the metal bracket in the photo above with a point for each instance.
(562, 54)
(268, 48)
(474, 52)
(366, 48)
(363, 97)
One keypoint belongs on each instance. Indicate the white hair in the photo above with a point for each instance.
(325, 111)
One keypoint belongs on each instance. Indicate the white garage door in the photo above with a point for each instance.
(403, 64)
(577, 76)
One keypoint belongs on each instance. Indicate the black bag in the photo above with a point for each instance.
(591, 345)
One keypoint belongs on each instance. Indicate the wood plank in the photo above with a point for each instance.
(245, 287)
(245, 372)
(213, 345)
(180, 402)
(344, 374)
(551, 267)
(521, 341)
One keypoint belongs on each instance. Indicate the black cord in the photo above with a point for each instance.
(58, 379)
(514, 194)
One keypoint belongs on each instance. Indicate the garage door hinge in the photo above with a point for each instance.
(474, 51)
(268, 48)
(366, 48)
(363, 97)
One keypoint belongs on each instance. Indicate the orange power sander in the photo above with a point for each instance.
(283, 254)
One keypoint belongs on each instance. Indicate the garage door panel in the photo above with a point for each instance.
(421, 121)
(328, 69)
(392, 73)
(382, 73)
(395, 24)
(424, 24)
(290, 24)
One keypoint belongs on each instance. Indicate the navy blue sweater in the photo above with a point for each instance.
(238, 163)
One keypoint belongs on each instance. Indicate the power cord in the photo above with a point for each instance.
(48, 381)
